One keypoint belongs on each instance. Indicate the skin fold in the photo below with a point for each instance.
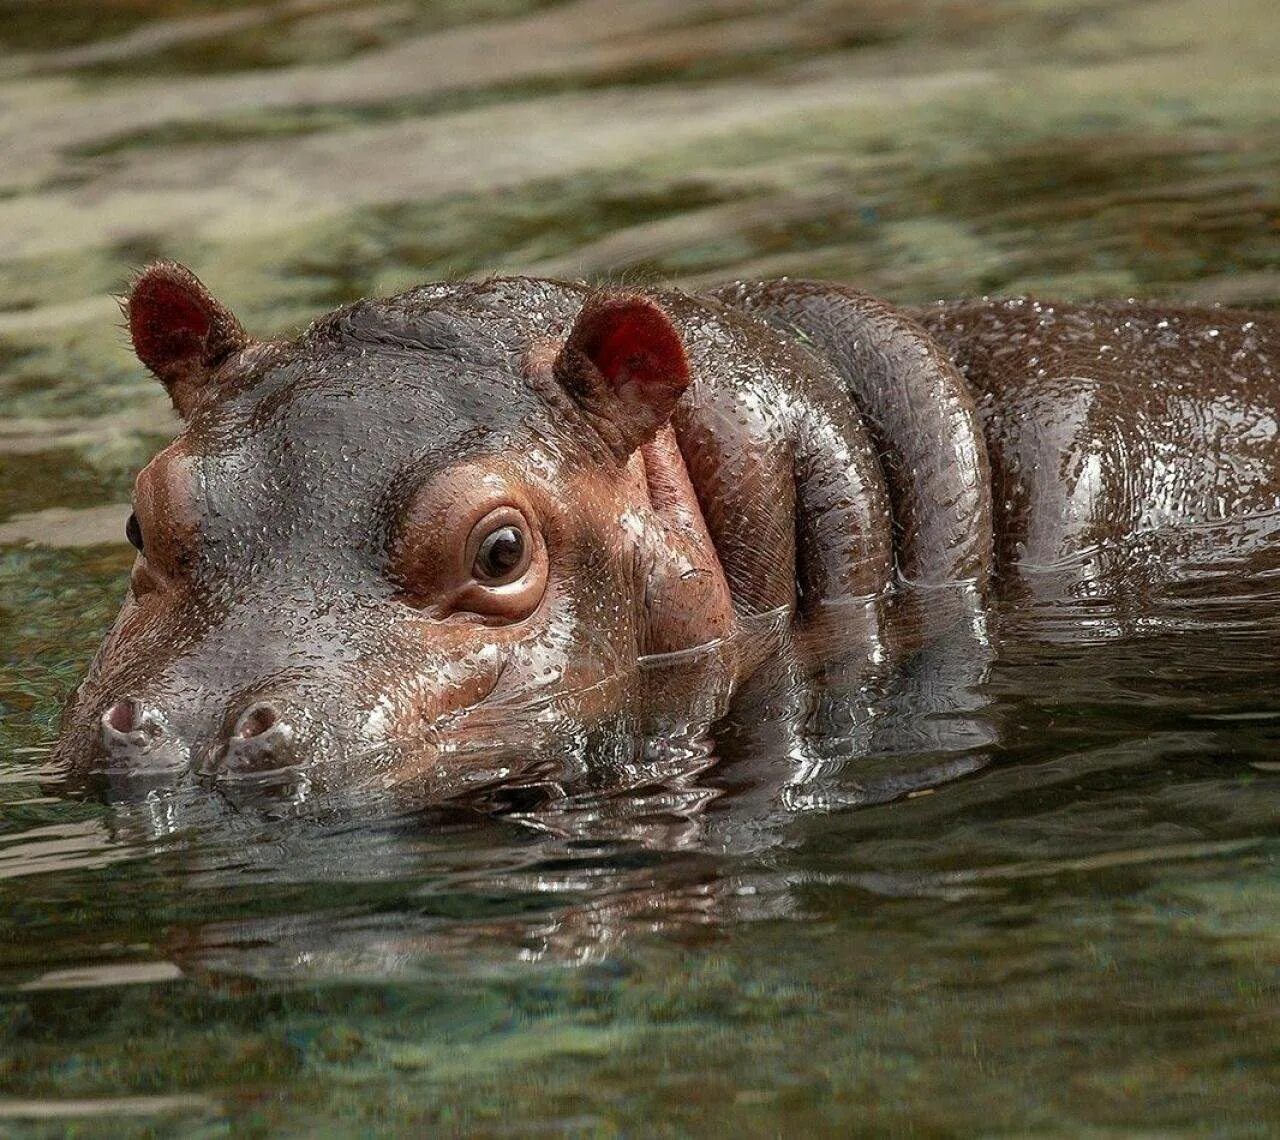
(476, 509)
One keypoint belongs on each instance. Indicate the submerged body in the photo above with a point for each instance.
(434, 510)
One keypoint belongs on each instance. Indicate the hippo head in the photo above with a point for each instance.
(426, 513)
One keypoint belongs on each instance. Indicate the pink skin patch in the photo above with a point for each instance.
(634, 346)
(167, 323)
(180, 331)
(120, 716)
(625, 365)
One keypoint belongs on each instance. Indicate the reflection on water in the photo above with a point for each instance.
(1021, 879)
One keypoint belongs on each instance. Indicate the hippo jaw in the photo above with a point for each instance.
(403, 528)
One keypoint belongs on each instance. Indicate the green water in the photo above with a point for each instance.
(1080, 936)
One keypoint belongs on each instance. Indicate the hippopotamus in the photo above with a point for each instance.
(447, 507)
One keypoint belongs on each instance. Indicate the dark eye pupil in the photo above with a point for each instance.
(133, 531)
(500, 553)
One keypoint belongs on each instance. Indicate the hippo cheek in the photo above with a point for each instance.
(477, 701)
(414, 710)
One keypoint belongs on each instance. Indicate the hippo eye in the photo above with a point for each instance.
(501, 557)
(133, 532)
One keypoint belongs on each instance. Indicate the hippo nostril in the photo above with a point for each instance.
(131, 723)
(135, 737)
(265, 739)
(122, 716)
(256, 720)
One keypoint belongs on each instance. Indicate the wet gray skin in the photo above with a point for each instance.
(314, 586)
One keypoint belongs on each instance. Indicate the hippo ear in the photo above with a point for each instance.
(625, 365)
(180, 330)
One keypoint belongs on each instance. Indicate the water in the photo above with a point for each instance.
(1050, 906)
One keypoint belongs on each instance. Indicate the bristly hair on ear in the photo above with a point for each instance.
(625, 365)
(180, 331)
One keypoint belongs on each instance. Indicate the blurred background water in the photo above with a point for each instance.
(1049, 906)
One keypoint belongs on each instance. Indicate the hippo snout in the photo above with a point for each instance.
(265, 736)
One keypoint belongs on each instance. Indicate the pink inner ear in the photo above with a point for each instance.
(167, 323)
(636, 345)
